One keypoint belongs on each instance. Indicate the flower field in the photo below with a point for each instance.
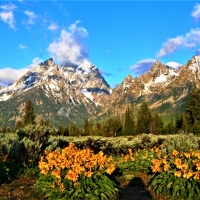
(94, 168)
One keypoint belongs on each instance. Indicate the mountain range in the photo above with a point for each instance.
(70, 93)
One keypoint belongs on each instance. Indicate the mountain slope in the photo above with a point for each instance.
(165, 89)
(68, 94)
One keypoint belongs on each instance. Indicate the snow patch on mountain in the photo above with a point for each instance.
(160, 79)
(87, 94)
(195, 64)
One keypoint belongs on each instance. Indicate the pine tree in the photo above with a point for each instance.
(144, 119)
(86, 127)
(98, 129)
(66, 131)
(192, 111)
(157, 124)
(19, 124)
(60, 130)
(180, 123)
(129, 124)
(29, 116)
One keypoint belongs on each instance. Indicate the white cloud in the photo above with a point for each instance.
(173, 64)
(142, 66)
(31, 16)
(190, 39)
(8, 7)
(22, 46)
(7, 16)
(196, 11)
(9, 75)
(35, 61)
(69, 47)
(53, 27)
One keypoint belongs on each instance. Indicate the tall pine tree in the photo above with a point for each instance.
(144, 119)
(129, 123)
(29, 116)
(157, 124)
(192, 111)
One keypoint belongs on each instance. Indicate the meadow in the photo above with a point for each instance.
(85, 167)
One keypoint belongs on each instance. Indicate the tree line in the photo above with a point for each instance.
(129, 124)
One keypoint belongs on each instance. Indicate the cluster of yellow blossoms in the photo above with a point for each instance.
(133, 156)
(186, 165)
(76, 162)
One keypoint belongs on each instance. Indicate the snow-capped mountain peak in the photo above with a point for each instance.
(72, 79)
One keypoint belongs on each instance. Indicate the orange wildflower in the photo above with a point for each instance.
(188, 174)
(196, 175)
(187, 154)
(178, 163)
(178, 173)
(175, 153)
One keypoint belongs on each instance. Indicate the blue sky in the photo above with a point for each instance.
(119, 37)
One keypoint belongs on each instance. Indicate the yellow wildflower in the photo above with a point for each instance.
(177, 173)
(187, 154)
(188, 174)
(175, 153)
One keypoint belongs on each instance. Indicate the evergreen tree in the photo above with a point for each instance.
(98, 129)
(157, 124)
(170, 128)
(73, 130)
(19, 125)
(180, 123)
(119, 127)
(144, 119)
(66, 131)
(29, 116)
(5, 129)
(129, 124)
(86, 127)
(192, 111)
(60, 130)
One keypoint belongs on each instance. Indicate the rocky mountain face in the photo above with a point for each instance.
(68, 94)
(165, 89)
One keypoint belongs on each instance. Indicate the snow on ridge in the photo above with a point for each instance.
(87, 94)
(160, 79)
(195, 64)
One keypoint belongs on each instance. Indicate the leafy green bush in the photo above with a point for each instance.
(176, 174)
(137, 162)
(181, 142)
(4, 175)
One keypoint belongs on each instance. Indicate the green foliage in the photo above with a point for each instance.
(76, 174)
(4, 175)
(176, 174)
(144, 119)
(157, 124)
(138, 162)
(35, 133)
(35, 139)
(181, 142)
(97, 187)
(167, 184)
(129, 123)
(29, 116)
(192, 112)
(113, 127)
